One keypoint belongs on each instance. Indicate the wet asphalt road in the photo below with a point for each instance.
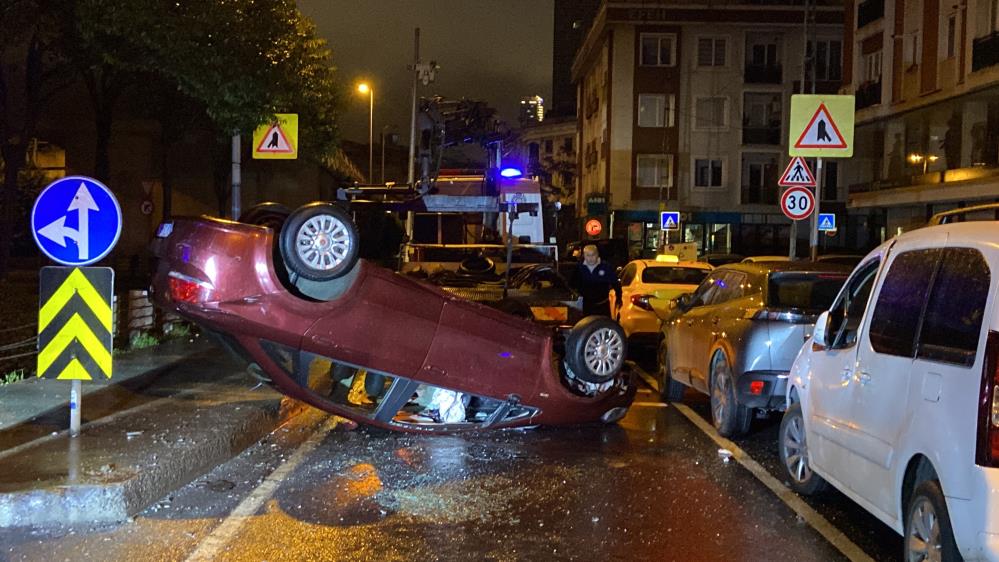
(652, 487)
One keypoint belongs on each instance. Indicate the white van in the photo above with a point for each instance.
(894, 400)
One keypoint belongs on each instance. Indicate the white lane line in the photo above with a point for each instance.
(210, 547)
(646, 377)
(783, 493)
(791, 499)
(649, 405)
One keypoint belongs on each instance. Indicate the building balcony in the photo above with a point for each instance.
(869, 12)
(763, 74)
(761, 135)
(985, 51)
(828, 87)
(868, 94)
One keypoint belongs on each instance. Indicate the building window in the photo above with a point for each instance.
(951, 36)
(872, 67)
(655, 170)
(549, 146)
(828, 59)
(910, 55)
(658, 49)
(711, 113)
(707, 172)
(567, 145)
(759, 178)
(710, 51)
(761, 118)
(655, 110)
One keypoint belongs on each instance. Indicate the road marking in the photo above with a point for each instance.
(213, 544)
(815, 519)
(649, 405)
(645, 376)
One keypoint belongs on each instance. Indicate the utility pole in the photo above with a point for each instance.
(793, 250)
(814, 237)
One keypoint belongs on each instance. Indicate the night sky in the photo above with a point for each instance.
(493, 50)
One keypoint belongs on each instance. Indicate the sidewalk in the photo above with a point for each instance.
(175, 411)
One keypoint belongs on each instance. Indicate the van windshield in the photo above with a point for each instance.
(804, 291)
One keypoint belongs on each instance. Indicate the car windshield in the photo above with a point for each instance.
(674, 275)
(805, 291)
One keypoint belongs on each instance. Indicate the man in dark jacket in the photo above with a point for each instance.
(593, 280)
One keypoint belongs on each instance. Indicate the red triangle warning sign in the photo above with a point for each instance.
(275, 141)
(821, 132)
(797, 174)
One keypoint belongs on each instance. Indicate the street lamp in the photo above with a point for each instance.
(364, 88)
(915, 158)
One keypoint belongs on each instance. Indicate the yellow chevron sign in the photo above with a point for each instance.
(75, 323)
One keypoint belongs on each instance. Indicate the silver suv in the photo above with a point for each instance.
(735, 337)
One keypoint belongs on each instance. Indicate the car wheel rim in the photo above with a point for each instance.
(796, 451)
(604, 352)
(323, 242)
(719, 393)
(923, 542)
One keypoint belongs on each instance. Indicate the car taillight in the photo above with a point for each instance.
(791, 316)
(987, 447)
(187, 289)
(642, 301)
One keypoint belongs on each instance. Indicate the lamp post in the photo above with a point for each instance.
(364, 88)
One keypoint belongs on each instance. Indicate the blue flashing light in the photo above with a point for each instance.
(506, 355)
(511, 173)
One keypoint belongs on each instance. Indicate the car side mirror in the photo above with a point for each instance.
(820, 334)
(685, 301)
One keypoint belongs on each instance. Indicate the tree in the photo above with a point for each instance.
(32, 70)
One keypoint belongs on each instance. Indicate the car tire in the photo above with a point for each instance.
(670, 390)
(319, 242)
(595, 349)
(793, 450)
(270, 215)
(730, 418)
(927, 524)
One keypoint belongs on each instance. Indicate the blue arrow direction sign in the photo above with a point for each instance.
(827, 222)
(669, 220)
(76, 220)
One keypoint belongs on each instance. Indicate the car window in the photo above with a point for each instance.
(803, 290)
(728, 287)
(628, 274)
(705, 291)
(846, 313)
(900, 302)
(673, 275)
(953, 319)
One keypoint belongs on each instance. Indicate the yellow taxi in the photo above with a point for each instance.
(647, 287)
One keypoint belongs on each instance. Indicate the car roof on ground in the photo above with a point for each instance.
(789, 266)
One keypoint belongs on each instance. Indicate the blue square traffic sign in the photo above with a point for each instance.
(669, 220)
(827, 222)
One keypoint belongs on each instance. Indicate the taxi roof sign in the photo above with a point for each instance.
(821, 126)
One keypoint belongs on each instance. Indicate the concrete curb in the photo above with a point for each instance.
(118, 468)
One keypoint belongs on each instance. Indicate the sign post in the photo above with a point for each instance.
(822, 127)
(797, 174)
(75, 321)
(669, 221)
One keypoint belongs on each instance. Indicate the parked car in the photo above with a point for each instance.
(735, 337)
(758, 259)
(843, 259)
(721, 259)
(313, 319)
(647, 288)
(895, 399)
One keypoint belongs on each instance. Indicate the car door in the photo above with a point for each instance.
(708, 322)
(628, 281)
(680, 329)
(830, 387)
(882, 374)
(940, 412)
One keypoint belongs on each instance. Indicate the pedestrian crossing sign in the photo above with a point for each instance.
(797, 174)
(827, 222)
(277, 140)
(669, 220)
(821, 126)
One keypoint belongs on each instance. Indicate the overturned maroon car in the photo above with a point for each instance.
(377, 347)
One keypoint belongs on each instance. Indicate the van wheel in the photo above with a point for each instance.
(794, 453)
(928, 534)
(595, 349)
(669, 389)
(730, 418)
(319, 242)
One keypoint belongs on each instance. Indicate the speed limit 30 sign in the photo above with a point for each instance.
(797, 203)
